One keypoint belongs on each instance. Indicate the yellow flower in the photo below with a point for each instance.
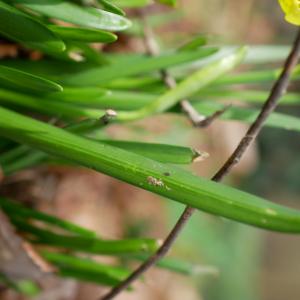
(291, 9)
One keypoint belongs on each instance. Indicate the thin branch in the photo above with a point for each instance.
(271, 103)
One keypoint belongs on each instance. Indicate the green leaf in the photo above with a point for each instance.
(107, 5)
(131, 3)
(248, 115)
(85, 269)
(180, 185)
(85, 244)
(84, 265)
(47, 67)
(80, 95)
(15, 209)
(28, 81)
(138, 65)
(160, 152)
(168, 2)
(22, 28)
(23, 157)
(72, 13)
(29, 160)
(245, 96)
(179, 266)
(188, 86)
(48, 107)
(195, 43)
(251, 77)
(119, 100)
(86, 35)
(91, 276)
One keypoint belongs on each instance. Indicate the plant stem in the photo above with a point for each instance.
(278, 89)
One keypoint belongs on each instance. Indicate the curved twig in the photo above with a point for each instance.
(278, 89)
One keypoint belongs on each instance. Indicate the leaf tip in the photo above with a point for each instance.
(199, 155)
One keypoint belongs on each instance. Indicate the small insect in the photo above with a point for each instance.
(154, 181)
(108, 116)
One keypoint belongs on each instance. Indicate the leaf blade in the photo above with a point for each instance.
(22, 28)
(137, 66)
(180, 186)
(28, 81)
(86, 35)
(72, 13)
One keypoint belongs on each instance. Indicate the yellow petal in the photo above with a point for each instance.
(285, 5)
(291, 9)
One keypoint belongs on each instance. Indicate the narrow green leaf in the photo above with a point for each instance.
(160, 152)
(85, 269)
(72, 13)
(179, 266)
(119, 100)
(84, 265)
(179, 185)
(133, 82)
(88, 276)
(49, 68)
(109, 6)
(13, 154)
(251, 77)
(168, 2)
(29, 160)
(246, 96)
(80, 34)
(85, 244)
(23, 157)
(80, 95)
(14, 209)
(28, 81)
(48, 107)
(195, 43)
(188, 87)
(22, 28)
(131, 3)
(135, 66)
(248, 115)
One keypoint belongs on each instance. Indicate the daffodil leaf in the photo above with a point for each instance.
(22, 28)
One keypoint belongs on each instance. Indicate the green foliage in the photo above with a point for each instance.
(168, 2)
(17, 78)
(74, 14)
(150, 175)
(76, 84)
(25, 29)
(76, 238)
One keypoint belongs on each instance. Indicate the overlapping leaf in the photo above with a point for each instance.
(161, 179)
(22, 28)
(72, 13)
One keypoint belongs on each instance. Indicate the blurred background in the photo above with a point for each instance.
(232, 261)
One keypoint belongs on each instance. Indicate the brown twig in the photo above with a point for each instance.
(271, 103)
(198, 120)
